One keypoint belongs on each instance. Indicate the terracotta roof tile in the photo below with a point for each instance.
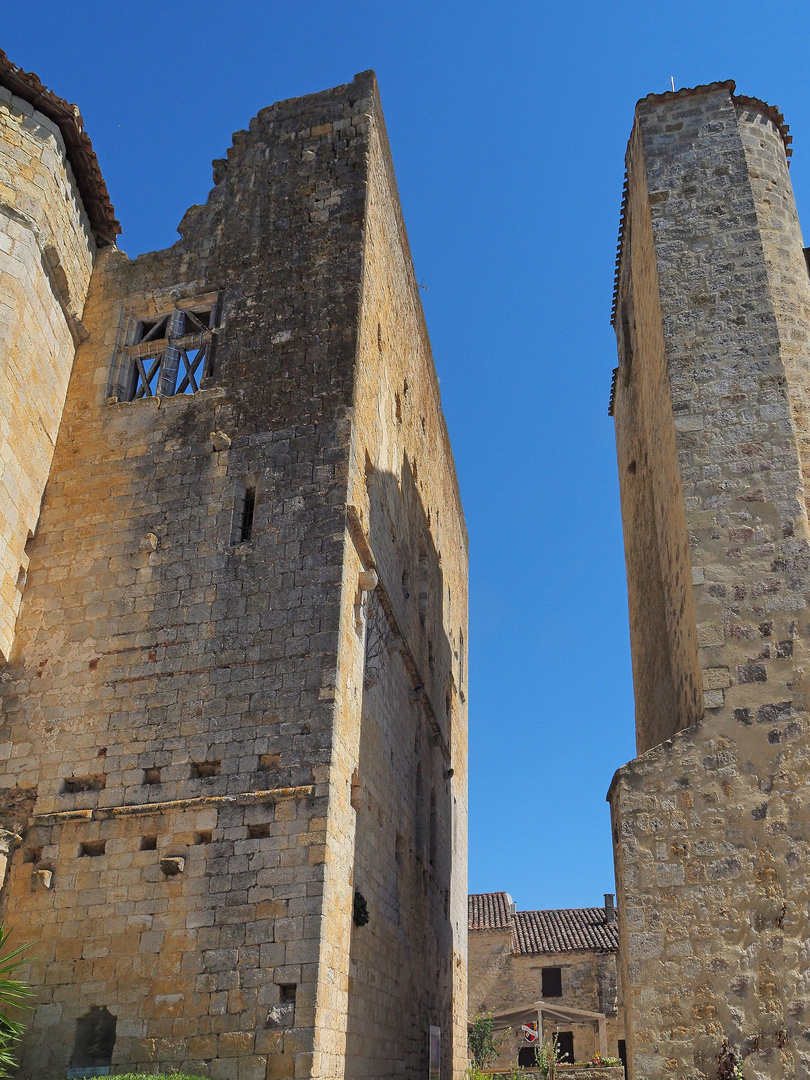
(79, 149)
(489, 911)
(563, 930)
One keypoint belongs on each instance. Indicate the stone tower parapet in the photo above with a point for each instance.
(710, 402)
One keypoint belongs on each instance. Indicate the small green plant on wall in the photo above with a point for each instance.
(14, 994)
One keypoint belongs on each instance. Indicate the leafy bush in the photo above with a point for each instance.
(14, 994)
(482, 1042)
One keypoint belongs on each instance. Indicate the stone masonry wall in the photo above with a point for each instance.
(710, 826)
(148, 640)
(401, 721)
(666, 672)
(46, 257)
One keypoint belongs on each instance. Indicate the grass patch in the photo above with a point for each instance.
(156, 1076)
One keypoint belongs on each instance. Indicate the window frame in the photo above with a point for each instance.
(154, 361)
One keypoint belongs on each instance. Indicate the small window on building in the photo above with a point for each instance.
(552, 982)
(527, 1057)
(169, 354)
(94, 1043)
(246, 523)
(244, 508)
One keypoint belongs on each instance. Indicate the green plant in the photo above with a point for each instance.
(546, 1055)
(158, 1076)
(14, 993)
(484, 1045)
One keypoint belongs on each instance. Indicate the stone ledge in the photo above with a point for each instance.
(104, 813)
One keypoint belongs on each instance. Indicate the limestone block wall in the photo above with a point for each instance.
(46, 257)
(178, 693)
(401, 747)
(709, 822)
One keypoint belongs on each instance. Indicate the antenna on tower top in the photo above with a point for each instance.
(672, 80)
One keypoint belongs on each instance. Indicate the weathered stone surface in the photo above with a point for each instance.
(46, 257)
(181, 691)
(710, 822)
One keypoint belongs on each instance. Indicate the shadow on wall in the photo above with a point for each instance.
(400, 963)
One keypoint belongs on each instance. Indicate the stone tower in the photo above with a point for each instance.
(54, 215)
(711, 820)
(233, 714)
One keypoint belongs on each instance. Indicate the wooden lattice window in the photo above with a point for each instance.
(172, 352)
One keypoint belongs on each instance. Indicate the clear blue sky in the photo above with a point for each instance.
(508, 123)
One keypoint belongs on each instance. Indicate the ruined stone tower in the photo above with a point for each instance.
(233, 713)
(711, 822)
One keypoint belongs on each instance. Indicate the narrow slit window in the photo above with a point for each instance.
(248, 507)
(244, 512)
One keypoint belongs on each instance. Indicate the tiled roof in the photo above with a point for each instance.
(79, 149)
(563, 930)
(489, 911)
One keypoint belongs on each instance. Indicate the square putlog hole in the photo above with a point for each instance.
(259, 832)
(151, 775)
(74, 785)
(203, 837)
(92, 848)
(268, 762)
(149, 842)
(32, 854)
(202, 770)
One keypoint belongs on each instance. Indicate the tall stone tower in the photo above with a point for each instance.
(233, 715)
(711, 820)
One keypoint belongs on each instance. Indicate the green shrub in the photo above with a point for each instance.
(13, 995)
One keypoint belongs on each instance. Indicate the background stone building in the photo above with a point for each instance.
(559, 963)
(234, 607)
(710, 822)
